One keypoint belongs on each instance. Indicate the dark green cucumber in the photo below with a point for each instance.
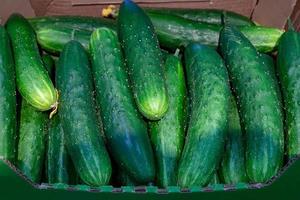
(125, 180)
(144, 60)
(32, 140)
(168, 134)
(125, 130)
(288, 67)
(57, 159)
(258, 104)
(233, 168)
(173, 32)
(211, 16)
(8, 99)
(32, 79)
(78, 116)
(209, 101)
(49, 64)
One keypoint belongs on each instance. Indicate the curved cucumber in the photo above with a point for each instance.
(144, 60)
(78, 116)
(125, 130)
(8, 99)
(33, 82)
(168, 134)
(211, 16)
(31, 146)
(209, 98)
(259, 106)
(288, 67)
(233, 168)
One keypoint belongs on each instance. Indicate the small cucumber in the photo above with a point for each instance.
(258, 104)
(233, 168)
(144, 60)
(125, 130)
(168, 134)
(209, 102)
(288, 67)
(77, 112)
(8, 99)
(32, 140)
(32, 79)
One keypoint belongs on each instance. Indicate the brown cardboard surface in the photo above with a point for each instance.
(93, 7)
(7, 7)
(273, 12)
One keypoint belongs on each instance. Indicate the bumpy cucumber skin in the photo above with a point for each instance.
(209, 98)
(211, 16)
(78, 116)
(125, 130)
(258, 103)
(168, 134)
(32, 79)
(57, 161)
(32, 140)
(288, 68)
(233, 169)
(8, 99)
(144, 60)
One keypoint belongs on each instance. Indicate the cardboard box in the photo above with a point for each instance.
(266, 12)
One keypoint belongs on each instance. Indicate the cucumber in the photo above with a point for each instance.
(173, 32)
(288, 65)
(125, 130)
(52, 37)
(31, 146)
(8, 99)
(32, 79)
(258, 103)
(211, 16)
(144, 60)
(209, 101)
(125, 180)
(78, 116)
(168, 134)
(49, 64)
(57, 161)
(233, 168)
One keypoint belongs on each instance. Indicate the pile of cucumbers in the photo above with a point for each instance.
(166, 97)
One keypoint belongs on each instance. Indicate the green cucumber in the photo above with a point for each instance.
(173, 32)
(168, 134)
(125, 130)
(144, 60)
(49, 64)
(288, 66)
(32, 79)
(125, 180)
(31, 146)
(211, 16)
(233, 168)
(52, 38)
(57, 160)
(258, 104)
(77, 112)
(8, 99)
(209, 102)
